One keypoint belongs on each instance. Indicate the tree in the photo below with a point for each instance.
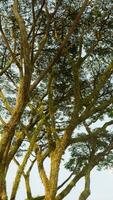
(55, 76)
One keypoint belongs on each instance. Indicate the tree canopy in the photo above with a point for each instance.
(56, 85)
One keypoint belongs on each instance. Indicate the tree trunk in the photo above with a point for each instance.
(85, 194)
(48, 197)
(3, 195)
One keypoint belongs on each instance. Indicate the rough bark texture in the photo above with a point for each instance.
(3, 194)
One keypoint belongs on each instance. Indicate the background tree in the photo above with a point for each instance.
(56, 76)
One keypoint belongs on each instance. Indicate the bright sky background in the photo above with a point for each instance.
(101, 185)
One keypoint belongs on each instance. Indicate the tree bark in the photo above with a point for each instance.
(55, 164)
(28, 188)
(85, 194)
(3, 195)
